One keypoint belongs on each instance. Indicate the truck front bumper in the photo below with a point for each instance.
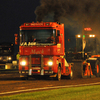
(36, 72)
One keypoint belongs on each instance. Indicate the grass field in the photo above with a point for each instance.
(74, 93)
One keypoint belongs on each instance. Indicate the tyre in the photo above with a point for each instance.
(70, 76)
(95, 68)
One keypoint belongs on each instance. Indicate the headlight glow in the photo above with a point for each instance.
(9, 58)
(23, 63)
(50, 62)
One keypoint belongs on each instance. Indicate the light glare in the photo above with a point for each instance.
(23, 63)
(50, 63)
(9, 58)
(91, 36)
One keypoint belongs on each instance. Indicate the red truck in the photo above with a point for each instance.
(42, 50)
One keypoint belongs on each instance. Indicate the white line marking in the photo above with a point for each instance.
(44, 88)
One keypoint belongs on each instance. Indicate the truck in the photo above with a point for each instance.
(6, 54)
(42, 50)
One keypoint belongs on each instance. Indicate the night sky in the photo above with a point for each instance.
(73, 13)
(13, 13)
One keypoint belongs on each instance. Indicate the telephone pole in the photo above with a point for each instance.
(83, 41)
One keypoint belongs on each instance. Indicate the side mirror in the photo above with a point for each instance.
(16, 39)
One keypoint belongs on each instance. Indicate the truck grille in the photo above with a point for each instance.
(36, 61)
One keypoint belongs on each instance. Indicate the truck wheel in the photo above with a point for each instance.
(59, 74)
(70, 76)
(97, 69)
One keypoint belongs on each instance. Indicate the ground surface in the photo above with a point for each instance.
(12, 82)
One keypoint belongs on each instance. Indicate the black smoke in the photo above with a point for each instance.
(73, 12)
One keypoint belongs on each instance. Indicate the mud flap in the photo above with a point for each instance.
(77, 68)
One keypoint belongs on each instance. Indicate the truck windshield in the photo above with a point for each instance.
(38, 36)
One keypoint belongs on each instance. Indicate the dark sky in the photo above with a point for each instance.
(73, 13)
(13, 13)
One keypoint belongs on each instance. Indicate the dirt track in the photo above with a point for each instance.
(12, 82)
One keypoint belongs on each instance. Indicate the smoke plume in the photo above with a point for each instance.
(74, 13)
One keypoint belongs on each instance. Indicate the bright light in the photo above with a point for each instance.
(50, 63)
(91, 36)
(20, 35)
(23, 63)
(9, 58)
(78, 36)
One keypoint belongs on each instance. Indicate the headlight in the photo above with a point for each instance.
(50, 62)
(9, 58)
(23, 63)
